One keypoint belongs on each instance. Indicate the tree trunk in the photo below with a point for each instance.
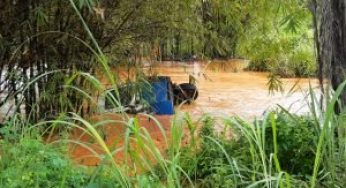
(338, 58)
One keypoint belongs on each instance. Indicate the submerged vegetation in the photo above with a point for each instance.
(52, 51)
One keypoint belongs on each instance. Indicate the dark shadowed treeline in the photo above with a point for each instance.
(39, 36)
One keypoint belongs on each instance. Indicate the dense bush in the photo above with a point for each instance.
(284, 45)
(258, 65)
(296, 140)
(299, 64)
(32, 163)
(210, 166)
(228, 162)
(302, 64)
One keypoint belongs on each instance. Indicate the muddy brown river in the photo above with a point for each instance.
(224, 89)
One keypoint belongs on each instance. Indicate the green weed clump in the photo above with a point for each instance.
(29, 162)
(300, 64)
(279, 151)
(259, 65)
(296, 140)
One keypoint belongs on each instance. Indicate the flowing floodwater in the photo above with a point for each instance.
(227, 91)
(224, 90)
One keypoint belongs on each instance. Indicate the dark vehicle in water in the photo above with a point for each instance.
(184, 93)
(158, 96)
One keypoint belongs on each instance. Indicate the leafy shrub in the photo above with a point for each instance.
(210, 167)
(287, 54)
(296, 137)
(302, 64)
(282, 69)
(32, 163)
(298, 64)
(260, 65)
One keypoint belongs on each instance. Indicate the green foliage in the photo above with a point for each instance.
(258, 65)
(280, 39)
(282, 145)
(31, 163)
(274, 83)
(296, 140)
(209, 166)
(302, 64)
